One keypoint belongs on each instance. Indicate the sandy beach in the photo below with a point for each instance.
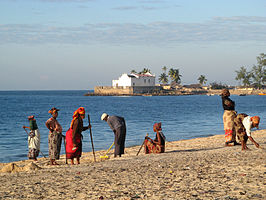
(201, 168)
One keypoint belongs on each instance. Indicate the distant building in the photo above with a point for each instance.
(124, 80)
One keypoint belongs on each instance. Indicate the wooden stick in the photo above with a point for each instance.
(91, 138)
(142, 145)
(64, 138)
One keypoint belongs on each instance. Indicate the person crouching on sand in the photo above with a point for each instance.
(243, 125)
(33, 139)
(74, 136)
(55, 136)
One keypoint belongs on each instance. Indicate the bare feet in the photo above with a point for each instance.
(52, 162)
(227, 144)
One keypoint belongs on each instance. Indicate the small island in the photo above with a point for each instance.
(143, 84)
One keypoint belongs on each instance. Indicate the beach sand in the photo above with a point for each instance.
(201, 168)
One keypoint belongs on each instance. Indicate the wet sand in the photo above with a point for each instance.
(201, 168)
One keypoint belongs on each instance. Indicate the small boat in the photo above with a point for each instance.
(242, 95)
(262, 94)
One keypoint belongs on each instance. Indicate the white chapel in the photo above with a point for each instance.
(146, 79)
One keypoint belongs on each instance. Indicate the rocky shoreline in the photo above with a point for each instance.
(201, 168)
(181, 92)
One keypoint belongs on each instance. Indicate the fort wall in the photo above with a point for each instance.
(122, 90)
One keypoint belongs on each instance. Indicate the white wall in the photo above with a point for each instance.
(125, 80)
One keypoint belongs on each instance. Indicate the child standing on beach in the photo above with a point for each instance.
(33, 138)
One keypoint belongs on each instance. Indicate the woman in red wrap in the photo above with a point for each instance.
(158, 144)
(74, 136)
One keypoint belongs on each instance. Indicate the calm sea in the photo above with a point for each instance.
(182, 117)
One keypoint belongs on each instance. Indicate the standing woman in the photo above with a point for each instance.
(228, 118)
(33, 139)
(74, 136)
(55, 136)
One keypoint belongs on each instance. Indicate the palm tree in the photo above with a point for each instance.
(202, 79)
(244, 75)
(174, 75)
(163, 78)
(133, 71)
(145, 70)
(164, 68)
(259, 71)
(258, 75)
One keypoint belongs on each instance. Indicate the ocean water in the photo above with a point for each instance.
(182, 117)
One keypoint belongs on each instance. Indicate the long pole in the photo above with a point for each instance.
(142, 145)
(64, 138)
(91, 138)
(29, 135)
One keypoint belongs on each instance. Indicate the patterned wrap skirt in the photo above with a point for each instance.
(54, 141)
(228, 119)
(239, 127)
(33, 153)
(151, 147)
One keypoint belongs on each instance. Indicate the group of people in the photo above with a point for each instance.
(73, 137)
(237, 125)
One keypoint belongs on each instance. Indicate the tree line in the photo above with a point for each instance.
(256, 77)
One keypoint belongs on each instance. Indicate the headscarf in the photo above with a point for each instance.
(256, 121)
(79, 111)
(53, 110)
(157, 127)
(31, 117)
(225, 93)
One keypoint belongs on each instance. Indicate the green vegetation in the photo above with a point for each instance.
(218, 86)
(173, 74)
(256, 77)
(202, 80)
(163, 78)
(145, 70)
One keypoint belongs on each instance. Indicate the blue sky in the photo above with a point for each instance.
(79, 44)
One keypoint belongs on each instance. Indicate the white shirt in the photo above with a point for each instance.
(247, 124)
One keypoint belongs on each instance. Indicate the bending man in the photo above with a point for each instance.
(118, 125)
(243, 125)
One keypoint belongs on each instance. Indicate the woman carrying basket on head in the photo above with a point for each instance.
(33, 138)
